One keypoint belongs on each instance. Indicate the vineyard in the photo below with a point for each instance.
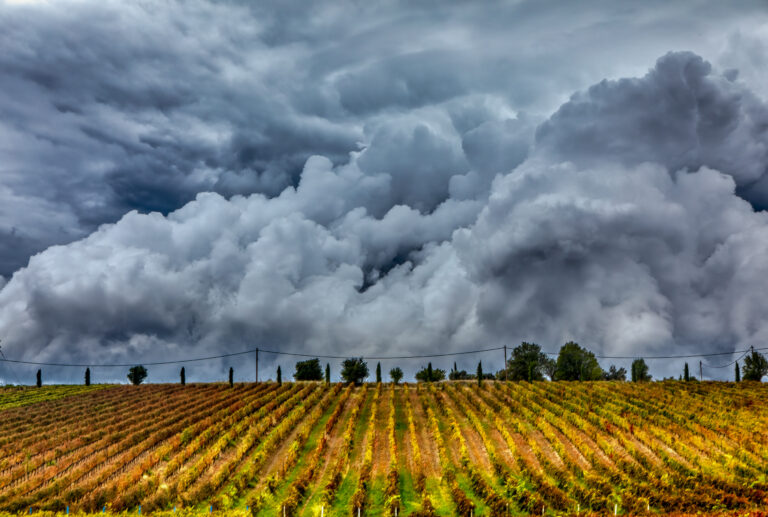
(448, 448)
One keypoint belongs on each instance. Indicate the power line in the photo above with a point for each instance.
(379, 358)
(14, 373)
(251, 351)
(735, 361)
(667, 356)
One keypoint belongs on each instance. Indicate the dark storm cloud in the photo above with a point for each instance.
(379, 178)
(680, 114)
(109, 107)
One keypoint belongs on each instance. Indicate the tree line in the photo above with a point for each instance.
(527, 363)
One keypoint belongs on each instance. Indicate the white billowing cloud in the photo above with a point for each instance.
(627, 259)
(109, 106)
(680, 114)
(621, 224)
(621, 259)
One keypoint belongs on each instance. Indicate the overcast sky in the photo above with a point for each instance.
(380, 178)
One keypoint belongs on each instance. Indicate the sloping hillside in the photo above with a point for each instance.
(443, 449)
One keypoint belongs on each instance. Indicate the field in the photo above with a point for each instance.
(445, 449)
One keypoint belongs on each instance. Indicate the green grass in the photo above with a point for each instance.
(410, 501)
(19, 396)
(306, 451)
(348, 485)
(441, 498)
(376, 497)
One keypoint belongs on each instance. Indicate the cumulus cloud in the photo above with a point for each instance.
(298, 183)
(109, 107)
(680, 114)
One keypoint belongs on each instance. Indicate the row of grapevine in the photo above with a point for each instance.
(298, 488)
(345, 449)
(359, 498)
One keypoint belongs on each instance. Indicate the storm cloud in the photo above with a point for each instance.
(379, 179)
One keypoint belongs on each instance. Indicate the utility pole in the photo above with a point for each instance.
(505, 363)
(257, 365)
(701, 375)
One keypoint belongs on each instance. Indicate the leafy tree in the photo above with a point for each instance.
(354, 370)
(183, 376)
(640, 371)
(429, 374)
(686, 373)
(378, 373)
(396, 374)
(39, 378)
(87, 376)
(327, 373)
(755, 367)
(279, 376)
(231, 377)
(738, 373)
(575, 363)
(459, 375)
(527, 363)
(137, 374)
(308, 370)
(615, 375)
(480, 373)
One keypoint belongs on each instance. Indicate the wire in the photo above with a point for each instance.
(667, 356)
(380, 358)
(13, 372)
(384, 358)
(261, 350)
(733, 362)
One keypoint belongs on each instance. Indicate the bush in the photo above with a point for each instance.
(429, 374)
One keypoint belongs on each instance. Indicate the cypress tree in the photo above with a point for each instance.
(39, 378)
(231, 377)
(738, 372)
(279, 377)
(87, 376)
(378, 373)
(183, 376)
(327, 373)
(429, 372)
(480, 373)
(686, 375)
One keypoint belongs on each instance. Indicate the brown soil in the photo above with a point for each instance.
(332, 449)
(525, 452)
(618, 450)
(547, 450)
(502, 450)
(275, 461)
(572, 452)
(430, 456)
(381, 438)
(478, 454)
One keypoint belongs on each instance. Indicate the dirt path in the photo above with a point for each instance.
(381, 438)
(573, 453)
(332, 450)
(478, 454)
(502, 450)
(429, 454)
(546, 449)
(275, 462)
